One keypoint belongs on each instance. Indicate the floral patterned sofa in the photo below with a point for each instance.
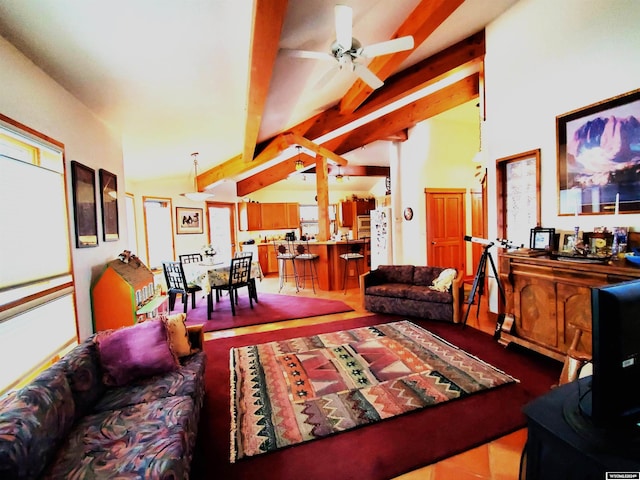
(73, 421)
(426, 292)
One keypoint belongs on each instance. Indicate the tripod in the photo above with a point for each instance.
(478, 287)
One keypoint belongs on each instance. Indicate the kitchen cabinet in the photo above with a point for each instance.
(268, 216)
(250, 215)
(350, 209)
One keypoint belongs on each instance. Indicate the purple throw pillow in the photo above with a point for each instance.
(133, 352)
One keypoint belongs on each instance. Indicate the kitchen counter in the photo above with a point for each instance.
(329, 265)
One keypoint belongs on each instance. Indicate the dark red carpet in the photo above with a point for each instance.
(271, 308)
(385, 449)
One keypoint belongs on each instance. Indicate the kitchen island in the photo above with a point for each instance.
(329, 265)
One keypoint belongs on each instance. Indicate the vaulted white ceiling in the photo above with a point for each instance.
(173, 75)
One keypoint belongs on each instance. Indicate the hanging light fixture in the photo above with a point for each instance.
(196, 195)
(339, 176)
(299, 162)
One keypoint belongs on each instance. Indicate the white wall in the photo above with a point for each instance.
(29, 96)
(546, 58)
(438, 154)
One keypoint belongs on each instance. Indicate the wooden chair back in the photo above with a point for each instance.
(190, 258)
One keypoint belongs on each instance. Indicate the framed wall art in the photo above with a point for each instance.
(541, 238)
(188, 220)
(109, 204)
(598, 157)
(83, 181)
(518, 189)
(568, 241)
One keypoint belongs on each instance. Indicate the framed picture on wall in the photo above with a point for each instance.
(188, 220)
(83, 182)
(109, 204)
(598, 161)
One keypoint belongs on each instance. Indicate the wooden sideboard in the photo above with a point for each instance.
(550, 299)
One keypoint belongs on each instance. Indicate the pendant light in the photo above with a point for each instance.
(299, 162)
(196, 196)
(339, 176)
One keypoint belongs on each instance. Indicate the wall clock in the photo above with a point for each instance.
(408, 213)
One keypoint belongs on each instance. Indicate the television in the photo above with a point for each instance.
(613, 401)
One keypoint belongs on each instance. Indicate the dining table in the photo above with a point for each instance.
(208, 275)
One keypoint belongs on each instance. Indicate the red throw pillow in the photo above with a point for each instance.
(134, 352)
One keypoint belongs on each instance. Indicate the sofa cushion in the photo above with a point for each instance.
(444, 280)
(134, 352)
(84, 374)
(426, 294)
(147, 440)
(177, 334)
(185, 381)
(397, 273)
(398, 290)
(33, 421)
(424, 275)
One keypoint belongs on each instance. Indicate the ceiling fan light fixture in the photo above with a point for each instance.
(196, 196)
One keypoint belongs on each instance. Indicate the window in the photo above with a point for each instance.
(518, 186)
(36, 281)
(158, 223)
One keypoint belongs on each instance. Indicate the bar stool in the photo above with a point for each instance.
(353, 254)
(304, 255)
(285, 254)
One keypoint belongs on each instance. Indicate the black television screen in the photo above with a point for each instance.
(616, 355)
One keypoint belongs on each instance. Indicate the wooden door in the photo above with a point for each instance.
(445, 228)
(222, 229)
(478, 227)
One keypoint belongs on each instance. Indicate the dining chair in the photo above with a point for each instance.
(252, 280)
(191, 258)
(239, 276)
(353, 254)
(177, 284)
(304, 255)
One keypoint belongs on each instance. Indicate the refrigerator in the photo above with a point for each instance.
(381, 247)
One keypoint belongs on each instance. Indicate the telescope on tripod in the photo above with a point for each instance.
(480, 277)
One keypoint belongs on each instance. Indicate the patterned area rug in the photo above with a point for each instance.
(292, 391)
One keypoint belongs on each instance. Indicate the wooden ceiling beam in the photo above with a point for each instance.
(268, 20)
(463, 55)
(388, 125)
(427, 72)
(406, 117)
(284, 168)
(294, 139)
(271, 175)
(422, 22)
(357, 170)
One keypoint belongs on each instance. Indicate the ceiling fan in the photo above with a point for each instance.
(349, 52)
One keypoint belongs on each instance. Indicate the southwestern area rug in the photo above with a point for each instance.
(271, 307)
(292, 391)
(384, 449)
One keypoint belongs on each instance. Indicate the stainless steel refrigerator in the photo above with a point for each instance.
(381, 251)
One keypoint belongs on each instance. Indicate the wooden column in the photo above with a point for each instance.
(322, 190)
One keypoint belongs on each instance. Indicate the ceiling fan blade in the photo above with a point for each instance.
(344, 26)
(385, 48)
(307, 54)
(367, 76)
(326, 77)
